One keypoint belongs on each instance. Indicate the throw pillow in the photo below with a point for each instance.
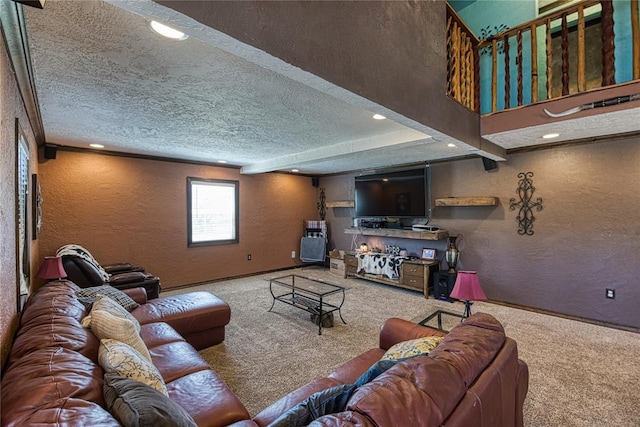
(106, 303)
(410, 348)
(106, 322)
(116, 294)
(136, 404)
(121, 359)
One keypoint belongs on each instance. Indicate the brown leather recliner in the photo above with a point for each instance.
(82, 269)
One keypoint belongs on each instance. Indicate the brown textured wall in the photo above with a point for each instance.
(135, 210)
(11, 107)
(585, 239)
(362, 46)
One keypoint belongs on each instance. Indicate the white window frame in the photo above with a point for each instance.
(200, 210)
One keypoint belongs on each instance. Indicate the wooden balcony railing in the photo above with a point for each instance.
(568, 51)
(463, 67)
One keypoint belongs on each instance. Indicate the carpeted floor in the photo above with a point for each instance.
(580, 374)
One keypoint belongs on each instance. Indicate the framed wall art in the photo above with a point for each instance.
(428, 254)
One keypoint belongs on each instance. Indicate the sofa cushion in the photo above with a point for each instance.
(116, 294)
(159, 333)
(46, 377)
(136, 404)
(42, 331)
(207, 398)
(107, 321)
(421, 390)
(412, 348)
(121, 359)
(190, 314)
(177, 359)
(470, 346)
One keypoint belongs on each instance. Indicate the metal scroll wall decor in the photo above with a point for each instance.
(526, 204)
(322, 204)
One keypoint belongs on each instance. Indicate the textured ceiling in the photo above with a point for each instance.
(102, 76)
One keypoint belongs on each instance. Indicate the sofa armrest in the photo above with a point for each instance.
(139, 295)
(120, 267)
(522, 387)
(396, 330)
(128, 277)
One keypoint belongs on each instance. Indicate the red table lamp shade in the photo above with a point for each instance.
(51, 268)
(467, 288)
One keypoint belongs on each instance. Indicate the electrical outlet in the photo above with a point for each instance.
(248, 257)
(611, 293)
(293, 254)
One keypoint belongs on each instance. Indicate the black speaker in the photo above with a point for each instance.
(489, 164)
(443, 285)
(50, 151)
(315, 181)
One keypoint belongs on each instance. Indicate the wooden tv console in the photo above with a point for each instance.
(415, 274)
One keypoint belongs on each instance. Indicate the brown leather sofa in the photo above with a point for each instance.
(473, 378)
(52, 375)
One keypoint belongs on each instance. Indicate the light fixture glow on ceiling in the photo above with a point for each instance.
(295, 170)
(379, 117)
(550, 135)
(222, 161)
(451, 145)
(96, 145)
(169, 32)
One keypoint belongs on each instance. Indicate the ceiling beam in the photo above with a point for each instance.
(15, 34)
(407, 136)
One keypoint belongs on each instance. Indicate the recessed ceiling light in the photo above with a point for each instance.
(96, 145)
(222, 161)
(379, 117)
(451, 145)
(169, 32)
(295, 170)
(551, 135)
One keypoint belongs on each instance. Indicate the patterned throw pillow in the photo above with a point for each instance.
(115, 294)
(109, 320)
(106, 303)
(416, 347)
(136, 404)
(120, 359)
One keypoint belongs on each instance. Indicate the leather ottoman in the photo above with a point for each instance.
(200, 317)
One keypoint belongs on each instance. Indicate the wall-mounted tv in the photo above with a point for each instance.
(401, 194)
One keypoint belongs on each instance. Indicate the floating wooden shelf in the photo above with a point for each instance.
(398, 233)
(467, 201)
(341, 204)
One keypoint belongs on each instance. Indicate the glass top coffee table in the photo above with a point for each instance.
(307, 294)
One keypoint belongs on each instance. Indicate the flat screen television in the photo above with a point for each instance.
(400, 194)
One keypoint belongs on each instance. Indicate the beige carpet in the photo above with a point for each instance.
(580, 374)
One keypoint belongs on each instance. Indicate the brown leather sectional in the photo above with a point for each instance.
(473, 378)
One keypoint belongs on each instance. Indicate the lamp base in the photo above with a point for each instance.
(467, 309)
